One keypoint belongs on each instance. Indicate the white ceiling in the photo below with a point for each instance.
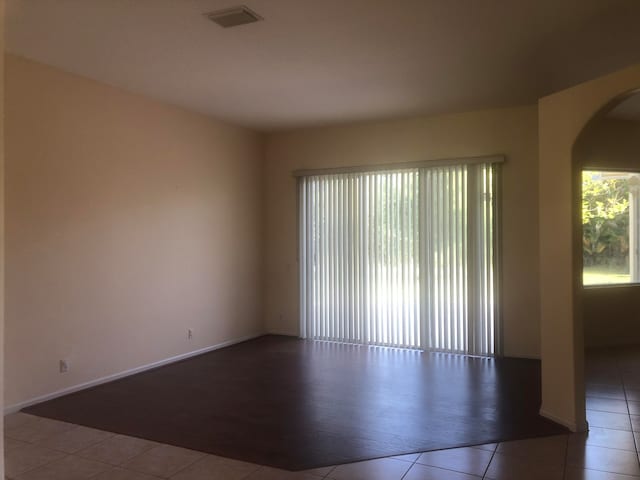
(316, 62)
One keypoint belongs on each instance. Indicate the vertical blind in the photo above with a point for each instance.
(403, 258)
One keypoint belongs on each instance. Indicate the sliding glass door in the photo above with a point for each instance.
(403, 258)
(459, 285)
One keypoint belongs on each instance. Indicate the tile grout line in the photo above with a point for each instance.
(112, 469)
(613, 428)
(77, 455)
(73, 454)
(44, 464)
(412, 464)
(493, 454)
(332, 469)
(626, 399)
(566, 458)
(204, 455)
(35, 444)
(326, 475)
(448, 469)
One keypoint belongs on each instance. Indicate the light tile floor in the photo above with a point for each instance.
(38, 448)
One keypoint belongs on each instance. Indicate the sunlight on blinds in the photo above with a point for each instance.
(400, 258)
(359, 260)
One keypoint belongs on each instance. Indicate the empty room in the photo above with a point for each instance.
(341, 239)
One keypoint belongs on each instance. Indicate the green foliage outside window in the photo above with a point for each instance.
(605, 220)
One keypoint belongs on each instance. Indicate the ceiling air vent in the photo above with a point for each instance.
(233, 17)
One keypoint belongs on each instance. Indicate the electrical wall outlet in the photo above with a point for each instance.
(64, 366)
(190, 334)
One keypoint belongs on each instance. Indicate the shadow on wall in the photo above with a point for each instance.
(607, 159)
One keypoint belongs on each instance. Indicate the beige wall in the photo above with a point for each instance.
(610, 314)
(562, 116)
(512, 132)
(128, 221)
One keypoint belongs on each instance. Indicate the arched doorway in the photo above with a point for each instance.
(562, 118)
(606, 164)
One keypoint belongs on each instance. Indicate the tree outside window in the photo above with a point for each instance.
(609, 226)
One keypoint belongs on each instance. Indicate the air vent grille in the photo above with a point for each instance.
(233, 17)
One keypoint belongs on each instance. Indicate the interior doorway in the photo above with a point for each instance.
(606, 160)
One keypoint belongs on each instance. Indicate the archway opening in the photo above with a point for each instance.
(606, 259)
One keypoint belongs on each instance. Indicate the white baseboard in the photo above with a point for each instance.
(573, 426)
(284, 333)
(109, 378)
